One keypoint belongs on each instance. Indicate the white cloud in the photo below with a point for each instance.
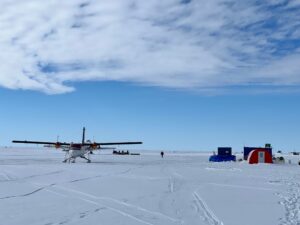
(201, 44)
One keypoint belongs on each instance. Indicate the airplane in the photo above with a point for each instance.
(78, 150)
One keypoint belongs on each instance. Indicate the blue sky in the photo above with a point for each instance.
(176, 74)
(162, 118)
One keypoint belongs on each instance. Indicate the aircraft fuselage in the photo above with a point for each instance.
(77, 150)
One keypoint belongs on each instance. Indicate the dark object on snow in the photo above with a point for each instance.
(279, 160)
(134, 153)
(121, 152)
(162, 154)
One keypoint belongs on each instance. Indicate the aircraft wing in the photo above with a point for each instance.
(119, 143)
(97, 146)
(42, 143)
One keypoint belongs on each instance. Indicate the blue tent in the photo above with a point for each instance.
(222, 158)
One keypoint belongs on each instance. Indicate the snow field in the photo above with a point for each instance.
(181, 189)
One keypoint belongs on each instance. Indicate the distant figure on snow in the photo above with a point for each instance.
(162, 154)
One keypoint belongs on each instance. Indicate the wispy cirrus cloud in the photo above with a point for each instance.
(205, 45)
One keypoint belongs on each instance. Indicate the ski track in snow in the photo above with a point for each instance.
(79, 216)
(26, 194)
(99, 176)
(171, 184)
(9, 178)
(15, 178)
(291, 202)
(131, 211)
(6, 177)
(242, 186)
(202, 208)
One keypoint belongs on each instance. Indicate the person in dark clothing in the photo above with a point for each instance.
(162, 154)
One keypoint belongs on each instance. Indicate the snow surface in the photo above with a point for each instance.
(181, 189)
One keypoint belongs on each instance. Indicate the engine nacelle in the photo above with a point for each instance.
(57, 145)
(94, 146)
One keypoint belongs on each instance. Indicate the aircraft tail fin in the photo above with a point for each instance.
(83, 135)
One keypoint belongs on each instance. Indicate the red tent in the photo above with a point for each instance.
(260, 155)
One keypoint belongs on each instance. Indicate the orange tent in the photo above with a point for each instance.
(260, 155)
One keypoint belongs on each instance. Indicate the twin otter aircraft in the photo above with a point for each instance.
(74, 150)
